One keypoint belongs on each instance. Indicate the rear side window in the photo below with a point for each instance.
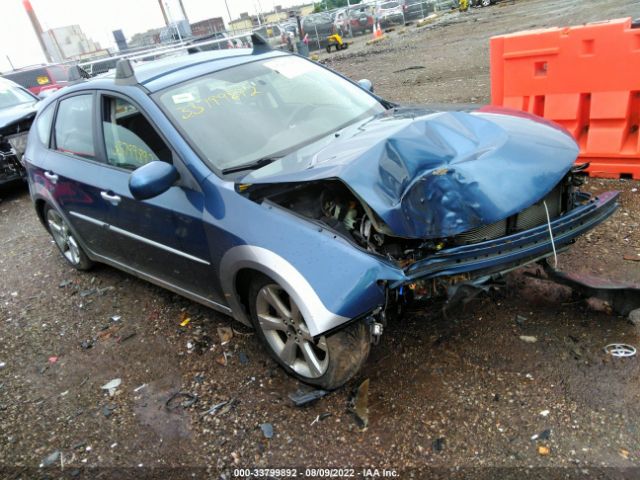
(129, 138)
(43, 126)
(73, 129)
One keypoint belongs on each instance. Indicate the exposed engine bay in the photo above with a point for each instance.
(13, 142)
(333, 205)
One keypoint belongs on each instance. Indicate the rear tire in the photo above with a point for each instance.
(65, 241)
(327, 362)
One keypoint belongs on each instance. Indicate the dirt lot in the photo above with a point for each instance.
(461, 396)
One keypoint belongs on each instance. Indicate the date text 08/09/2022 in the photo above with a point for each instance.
(315, 472)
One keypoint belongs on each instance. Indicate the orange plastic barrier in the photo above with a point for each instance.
(585, 78)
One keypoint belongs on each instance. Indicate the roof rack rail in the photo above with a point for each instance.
(260, 45)
(124, 72)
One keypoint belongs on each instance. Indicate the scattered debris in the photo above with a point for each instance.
(620, 350)
(624, 453)
(361, 405)
(137, 389)
(3, 364)
(86, 344)
(241, 334)
(321, 417)
(107, 410)
(181, 399)
(225, 334)
(543, 450)
(528, 338)
(521, 320)
(243, 358)
(438, 444)
(50, 459)
(199, 378)
(544, 435)
(112, 385)
(53, 359)
(632, 258)
(185, 322)
(222, 359)
(115, 318)
(413, 67)
(301, 398)
(123, 337)
(267, 430)
(65, 283)
(213, 410)
(86, 293)
(544, 413)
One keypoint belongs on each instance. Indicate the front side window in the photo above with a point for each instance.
(264, 109)
(130, 140)
(73, 129)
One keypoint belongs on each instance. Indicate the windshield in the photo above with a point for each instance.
(11, 96)
(264, 109)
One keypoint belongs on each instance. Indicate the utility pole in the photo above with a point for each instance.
(228, 13)
(164, 13)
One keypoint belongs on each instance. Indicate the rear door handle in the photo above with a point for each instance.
(51, 176)
(111, 198)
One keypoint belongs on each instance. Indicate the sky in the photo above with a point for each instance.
(98, 18)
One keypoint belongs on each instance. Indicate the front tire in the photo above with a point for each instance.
(327, 362)
(65, 240)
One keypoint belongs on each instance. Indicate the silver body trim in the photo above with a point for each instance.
(317, 317)
(148, 241)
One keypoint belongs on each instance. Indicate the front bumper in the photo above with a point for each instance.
(508, 252)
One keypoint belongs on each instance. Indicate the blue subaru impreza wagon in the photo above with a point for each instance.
(274, 190)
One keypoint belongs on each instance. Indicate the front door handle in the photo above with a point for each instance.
(111, 198)
(52, 177)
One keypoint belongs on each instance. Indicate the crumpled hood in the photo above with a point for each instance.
(14, 114)
(440, 174)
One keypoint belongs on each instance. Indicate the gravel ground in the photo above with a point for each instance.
(457, 396)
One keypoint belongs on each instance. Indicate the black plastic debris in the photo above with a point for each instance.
(181, 399)
(267, 430)
(301, 398)
(438, 444)
(107, 410)
(243, 358)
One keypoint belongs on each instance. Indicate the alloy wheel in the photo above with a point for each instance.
(63, 237)
(287, 333)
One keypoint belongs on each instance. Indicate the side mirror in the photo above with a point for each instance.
(366, 84)
(152, 179)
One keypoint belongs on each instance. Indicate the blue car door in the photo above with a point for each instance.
(76, 175)
(158, 237)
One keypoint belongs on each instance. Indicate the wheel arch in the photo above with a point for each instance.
(237, 268)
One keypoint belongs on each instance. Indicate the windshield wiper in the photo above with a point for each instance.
(251, 165)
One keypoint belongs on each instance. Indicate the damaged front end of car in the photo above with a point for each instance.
(13, 143)
(451, 200)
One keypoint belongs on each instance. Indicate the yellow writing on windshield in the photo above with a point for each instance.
(228, 96)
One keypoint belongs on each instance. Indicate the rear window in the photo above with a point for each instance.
(389, 5)
(30, 78)
(58, 74)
